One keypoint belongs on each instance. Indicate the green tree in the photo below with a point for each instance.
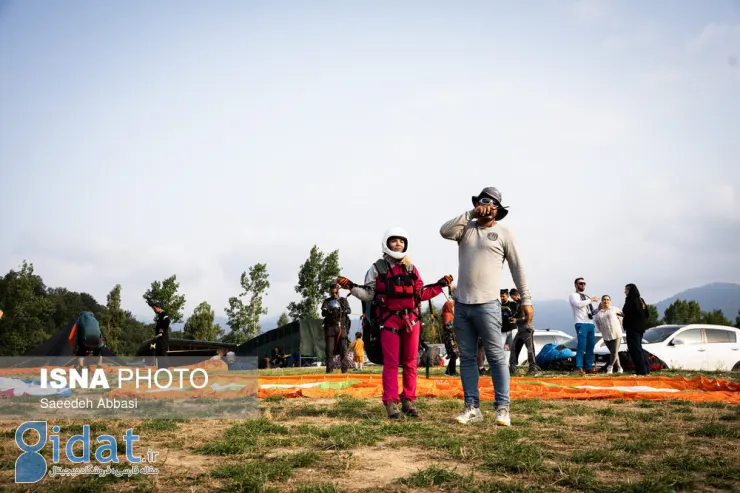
(200, 325)
(283, 320)
(234, 337)
(653, 316)
(737, 320)
(166, 293)
(244, 318)
(113, 303)
(114, 317)
(683, 312)
(715, 317)
(28, 311)
(315, 277)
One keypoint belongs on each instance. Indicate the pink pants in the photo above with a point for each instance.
(403, 346)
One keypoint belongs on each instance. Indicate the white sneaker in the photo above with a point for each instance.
(502, 416)
(609, 370)
(620, 370)
(470, 415)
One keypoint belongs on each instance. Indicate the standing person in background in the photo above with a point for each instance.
(335, 310)
(524, 338)
(448, 337)
(635, 324)
(585, 328)
(358, 348)
(607, 320)
(483, 247)
(508, 308)
(161, 334)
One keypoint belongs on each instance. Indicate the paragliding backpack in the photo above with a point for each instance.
(89, 328)
(396, 286)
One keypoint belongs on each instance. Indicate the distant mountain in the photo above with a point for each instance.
(554, 315)
(715, 296)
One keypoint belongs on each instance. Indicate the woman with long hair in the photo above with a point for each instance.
(635, 324)
(607, 320)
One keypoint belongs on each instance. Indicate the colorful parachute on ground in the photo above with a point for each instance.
(16, 387)
(628, 387)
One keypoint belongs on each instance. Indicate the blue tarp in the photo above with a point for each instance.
(552, 353)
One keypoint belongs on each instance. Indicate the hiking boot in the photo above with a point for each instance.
(592, 371)
(470, 414)
(580, 372)
(408, 408)
(393, 412)
(502, 416)
(532, 372)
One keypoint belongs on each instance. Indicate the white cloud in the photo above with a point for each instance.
(717, 37)
(592, 11)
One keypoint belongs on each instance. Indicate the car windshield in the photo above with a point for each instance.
(659, 334)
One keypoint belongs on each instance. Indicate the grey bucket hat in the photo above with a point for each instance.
(492, 192)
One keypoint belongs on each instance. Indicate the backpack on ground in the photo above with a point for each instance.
(429, 355)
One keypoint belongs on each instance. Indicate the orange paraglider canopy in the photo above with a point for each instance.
(698, 389)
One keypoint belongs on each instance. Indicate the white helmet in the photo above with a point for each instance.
(395, 232)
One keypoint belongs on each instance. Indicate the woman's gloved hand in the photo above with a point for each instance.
(445, 281)
(345, 283)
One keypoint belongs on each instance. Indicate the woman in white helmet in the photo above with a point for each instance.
(396, 289)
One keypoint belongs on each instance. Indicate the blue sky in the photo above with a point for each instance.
(142, 139)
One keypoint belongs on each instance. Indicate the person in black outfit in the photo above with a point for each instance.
(276, 358)
(508, 310)
(335, 310)
(524, 338)
(635, 324)
(161, 334)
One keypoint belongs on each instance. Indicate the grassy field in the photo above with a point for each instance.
(347, 444)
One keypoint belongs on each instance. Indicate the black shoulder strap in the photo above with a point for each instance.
(381, 265)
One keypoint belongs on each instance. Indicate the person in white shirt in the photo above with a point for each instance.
(608, 321)
(230, 358)
(583, 315)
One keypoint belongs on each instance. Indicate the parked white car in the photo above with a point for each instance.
(701, 347)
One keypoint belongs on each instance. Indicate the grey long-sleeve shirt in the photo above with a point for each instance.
(481, 253)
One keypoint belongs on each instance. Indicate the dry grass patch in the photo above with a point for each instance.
(347, 444)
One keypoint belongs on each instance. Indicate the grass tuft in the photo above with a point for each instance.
(431, 476)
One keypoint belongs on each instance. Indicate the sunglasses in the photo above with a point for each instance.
(488, 201)
(581, 283)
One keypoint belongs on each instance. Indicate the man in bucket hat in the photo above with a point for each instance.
(483, 246)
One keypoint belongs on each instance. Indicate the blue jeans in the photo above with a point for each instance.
(585, 334)
(484, 321)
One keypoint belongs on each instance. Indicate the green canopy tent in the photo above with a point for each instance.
(304, 338)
